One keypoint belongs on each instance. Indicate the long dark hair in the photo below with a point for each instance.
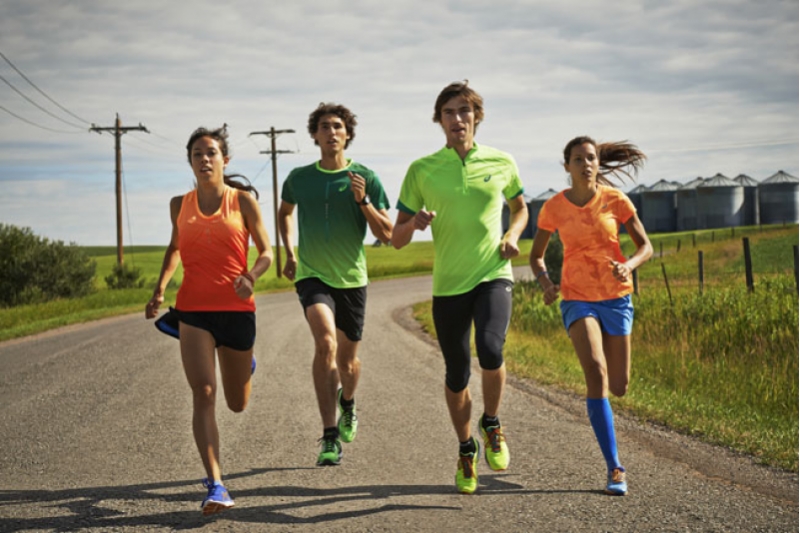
(619, 160)
(221, 136)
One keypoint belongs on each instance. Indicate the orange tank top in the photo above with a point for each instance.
(214, 253)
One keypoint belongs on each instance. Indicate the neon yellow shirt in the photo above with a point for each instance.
(467, 197)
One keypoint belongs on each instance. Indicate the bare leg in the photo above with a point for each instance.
(348, 364)
(493, 384)
(326, 376)
(197, 353)
(460, 406)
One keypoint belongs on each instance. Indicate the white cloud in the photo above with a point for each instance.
(705, 87)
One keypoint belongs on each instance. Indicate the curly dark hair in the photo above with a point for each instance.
(340, 111)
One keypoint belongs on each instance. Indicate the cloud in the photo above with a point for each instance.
(705, 87)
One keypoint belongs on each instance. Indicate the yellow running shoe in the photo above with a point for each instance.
(496, 449)
(467, 473)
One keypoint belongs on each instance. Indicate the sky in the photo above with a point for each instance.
(702, 87)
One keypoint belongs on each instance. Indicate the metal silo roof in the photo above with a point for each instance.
(638, 189)
(719, 180)
(745, 181)
(780, 177)
(662, 185)
(692, 184)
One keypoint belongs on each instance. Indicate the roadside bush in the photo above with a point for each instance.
(34, 269)
(125, 277)
(554, 258)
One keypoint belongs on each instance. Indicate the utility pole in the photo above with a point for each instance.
(273, 133)
(118, 130)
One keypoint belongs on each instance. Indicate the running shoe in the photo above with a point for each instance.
(617, 485)
(217, 499)
(253, 366)
(467, 473)
(348, 421)
(331, 452)
(495, 447)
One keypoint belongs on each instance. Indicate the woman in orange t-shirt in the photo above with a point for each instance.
(215, 312)
(596, 278)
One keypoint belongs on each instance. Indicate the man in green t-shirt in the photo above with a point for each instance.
(337, 199)
(459, 192)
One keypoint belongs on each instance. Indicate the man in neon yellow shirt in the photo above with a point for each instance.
(337, 199)
(458, 192)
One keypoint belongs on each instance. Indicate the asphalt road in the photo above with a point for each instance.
(95, 435)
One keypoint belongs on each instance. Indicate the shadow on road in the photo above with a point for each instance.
(126, 506)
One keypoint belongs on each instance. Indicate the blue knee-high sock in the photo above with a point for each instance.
(602, 419)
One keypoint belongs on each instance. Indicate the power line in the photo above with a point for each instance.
(33, 123)
(41, 91)
(38, 106)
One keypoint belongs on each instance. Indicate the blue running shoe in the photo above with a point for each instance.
(617, 485)
(217, 499)
(253, 366)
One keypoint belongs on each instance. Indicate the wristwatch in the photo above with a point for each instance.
(365, 201)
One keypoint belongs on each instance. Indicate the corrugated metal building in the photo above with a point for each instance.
(720, 203)
(751, 211)
(687, 205)
(659, 207)
(777, 199)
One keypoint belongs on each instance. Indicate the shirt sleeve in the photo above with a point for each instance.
(376, 192)
(625, 208)
(514, 186)
(546, 221)
(287, 193)
(410, 200)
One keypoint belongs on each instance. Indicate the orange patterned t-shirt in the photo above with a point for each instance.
(590, 235)
(214, 253)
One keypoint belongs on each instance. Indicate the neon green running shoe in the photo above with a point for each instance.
(348, 421)
(496, 449)
(331, 452)
(467, 473)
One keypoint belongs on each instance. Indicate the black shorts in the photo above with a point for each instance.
(232, 329)
(348, 305)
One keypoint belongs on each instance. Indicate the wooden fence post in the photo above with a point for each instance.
(679, 246)
(661, 249)
(748, 264)
(694, 240)
(666, 282)
(796, 286)
(700, 269)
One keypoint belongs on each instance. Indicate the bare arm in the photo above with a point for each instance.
(406, 224)
(644, 250)
(536, 259)
(286, 229)
(378, 219)
(172, 257)
(509, 246)
(255, 225)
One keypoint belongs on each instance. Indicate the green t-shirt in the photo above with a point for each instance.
(467, 197)
(330, 223)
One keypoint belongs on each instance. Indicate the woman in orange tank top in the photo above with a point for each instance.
(211, 228)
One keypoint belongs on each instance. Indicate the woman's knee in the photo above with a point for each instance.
(204, 394)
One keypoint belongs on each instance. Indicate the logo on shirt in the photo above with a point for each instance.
(487, 178)
(343, 187)
(604, 206)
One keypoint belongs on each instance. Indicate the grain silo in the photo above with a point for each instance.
(535, 206)
(751, 215)
(777, 199)
(720, 203)
(658, 207)
(527, 233)
(687, 205)
(635, 195)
